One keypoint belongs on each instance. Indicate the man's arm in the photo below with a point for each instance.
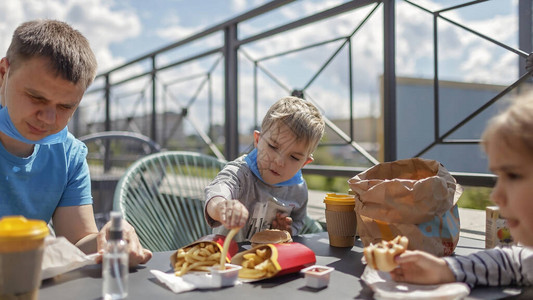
(77, 225)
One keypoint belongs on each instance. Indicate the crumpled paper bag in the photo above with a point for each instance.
(385, 288)
(61, 256)
(413, 197)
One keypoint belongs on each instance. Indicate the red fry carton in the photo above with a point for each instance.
(215, 239)
(279, 259)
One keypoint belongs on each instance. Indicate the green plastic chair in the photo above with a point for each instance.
(162, 197)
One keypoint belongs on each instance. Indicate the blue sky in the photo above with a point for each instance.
(124, 29)
(120, 30)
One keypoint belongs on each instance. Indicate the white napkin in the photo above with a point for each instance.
(60, 256)
(385, 288)
(173, 282)
(188, 282)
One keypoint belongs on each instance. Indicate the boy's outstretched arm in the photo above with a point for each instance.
(231, 213)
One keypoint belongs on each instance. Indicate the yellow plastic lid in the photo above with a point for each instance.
(16, 227)
(339, 199)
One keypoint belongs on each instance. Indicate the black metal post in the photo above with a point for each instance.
(153, 133)
(389, 81)
(525, 30)
(107, 122)
(231, 92)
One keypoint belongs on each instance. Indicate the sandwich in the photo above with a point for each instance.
(381, 256)
(270, 236)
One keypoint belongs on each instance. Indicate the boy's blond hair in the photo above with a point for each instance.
(514, 126)
(301, 116)
(66, 49)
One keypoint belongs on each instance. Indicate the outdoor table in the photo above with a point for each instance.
(345, 282)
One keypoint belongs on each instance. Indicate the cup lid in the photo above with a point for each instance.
(13, 227)
(339, 199)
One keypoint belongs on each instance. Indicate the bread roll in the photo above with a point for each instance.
(270, 236)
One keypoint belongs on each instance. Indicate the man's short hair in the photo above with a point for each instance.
(67, 50)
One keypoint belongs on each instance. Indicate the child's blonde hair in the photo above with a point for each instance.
(301, 116)
(514, 126)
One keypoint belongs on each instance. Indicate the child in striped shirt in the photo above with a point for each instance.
(508, 142)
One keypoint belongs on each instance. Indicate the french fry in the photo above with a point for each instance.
(225, 248)
(257, 265)
(196, 258)
(251, 273)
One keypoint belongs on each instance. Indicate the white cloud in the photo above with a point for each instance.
(462, 55)
(96, 19)
(238, 5)
(177, 32)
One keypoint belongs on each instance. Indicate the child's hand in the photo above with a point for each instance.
(421, 268)
(282, 222)
(231, 213)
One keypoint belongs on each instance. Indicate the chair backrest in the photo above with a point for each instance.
(110, 153)
(311, 226)
(111, 150)
(162, 197)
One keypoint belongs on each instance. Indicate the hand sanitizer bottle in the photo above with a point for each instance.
(115, 261)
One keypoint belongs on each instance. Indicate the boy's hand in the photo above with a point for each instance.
(282, 222)
(421, 268)
(231, 213)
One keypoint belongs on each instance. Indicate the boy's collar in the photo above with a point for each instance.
(251, 161)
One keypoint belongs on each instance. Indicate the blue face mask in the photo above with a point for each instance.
(8, 128)
(251, 161)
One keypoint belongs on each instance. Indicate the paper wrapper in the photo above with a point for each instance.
(286, 258)
(414, 197)
(385, 288)
(190, 281)
(60, 256)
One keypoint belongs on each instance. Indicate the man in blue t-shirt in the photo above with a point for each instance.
(43, 168)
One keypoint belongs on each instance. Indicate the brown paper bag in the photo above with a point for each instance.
(412, 197)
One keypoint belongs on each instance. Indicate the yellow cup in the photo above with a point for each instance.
(21, 255)
(341, 221)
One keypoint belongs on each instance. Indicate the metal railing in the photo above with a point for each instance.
(151, 81)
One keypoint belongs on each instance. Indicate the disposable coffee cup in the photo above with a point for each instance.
(340, 219)
(21, 255)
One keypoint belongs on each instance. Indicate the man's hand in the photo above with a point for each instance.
(137, 254)
(282, 222)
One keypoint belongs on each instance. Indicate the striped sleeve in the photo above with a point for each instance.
(494, 267)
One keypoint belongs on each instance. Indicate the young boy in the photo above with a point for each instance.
(508, 142)
(268, 182)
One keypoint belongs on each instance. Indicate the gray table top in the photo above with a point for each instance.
(345, 282)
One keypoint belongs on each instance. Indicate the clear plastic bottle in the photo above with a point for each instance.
(115, 262)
